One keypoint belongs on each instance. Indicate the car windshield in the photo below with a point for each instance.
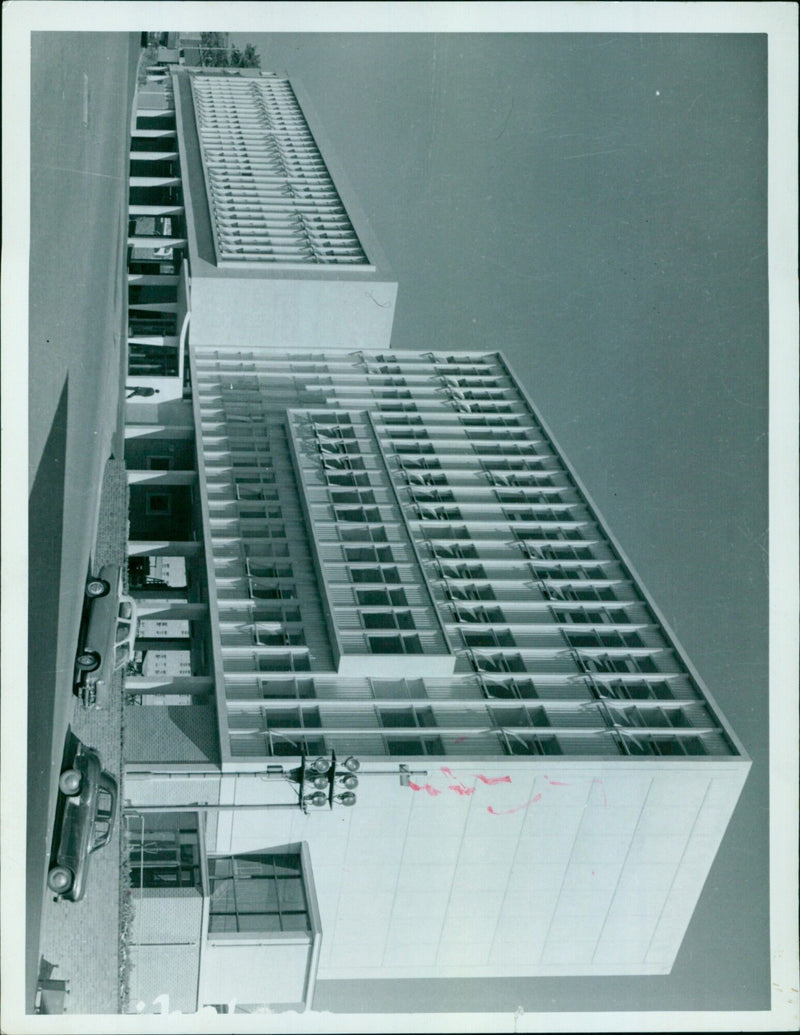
(121, 655)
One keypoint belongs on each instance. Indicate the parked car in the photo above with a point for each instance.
(87, 822)
(108, 635)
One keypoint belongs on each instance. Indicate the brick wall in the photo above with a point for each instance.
(170, 733)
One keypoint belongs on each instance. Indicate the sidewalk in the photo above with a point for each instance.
(82, 938)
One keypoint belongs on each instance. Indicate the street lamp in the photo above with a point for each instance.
(323, 775)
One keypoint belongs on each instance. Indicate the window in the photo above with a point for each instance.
(508, 689)
(470, 591)
(287, 688)
(283, 662)
(166, 854)
(363, 514)
(402, 644)
(455, 551)
(664, 746)
(267, 636)
(382, 573)
(498, 662)
(265, 569)
(339, 496)
(399, 689)
(478, 614)
(158, 504)
(264, 590)
(256, 491)
(416, 746)
(381, 554)
(652, 690)
(515, 717)
(258, 893)
(437, 513)
(525, 744)
(432, 495)
(374, 533)
(487, 638)
(462, 571)
(403, 717)
(644, 717)
(263, 530)
(603, 638)
(377, 597)
(343, 463)
(620, 663)
(159, 463)
(347, 478)
(387, 620)
(266, 551)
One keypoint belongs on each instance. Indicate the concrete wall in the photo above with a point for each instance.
(255, 972)
(301, 313)
(556, 868)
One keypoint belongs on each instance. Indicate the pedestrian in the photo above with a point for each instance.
(144, 390)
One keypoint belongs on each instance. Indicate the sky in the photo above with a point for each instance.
(596, 206)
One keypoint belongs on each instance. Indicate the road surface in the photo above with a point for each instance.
(82, 87)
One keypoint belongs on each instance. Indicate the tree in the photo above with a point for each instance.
(216, 52)
(247, 58)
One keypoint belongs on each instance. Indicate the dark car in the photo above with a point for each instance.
(108, 634)
(87, 822)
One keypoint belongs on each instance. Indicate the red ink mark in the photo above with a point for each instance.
(459, 740)
(507, 812)
(425, 787)
(593, 873)
(556, 783)
(603, 789)
(463, 791)
(491, 780)
(452, 775)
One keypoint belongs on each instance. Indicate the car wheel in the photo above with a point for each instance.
(69, 782)
(59, 879)
(97, 588)
(88, 661)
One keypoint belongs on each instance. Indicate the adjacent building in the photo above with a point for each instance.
(421, 718)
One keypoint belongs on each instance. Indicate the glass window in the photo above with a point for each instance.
(385, 644)
(376, 597)
(166, 854)
(257, 893)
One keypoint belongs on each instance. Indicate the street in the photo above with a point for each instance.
(82, 87)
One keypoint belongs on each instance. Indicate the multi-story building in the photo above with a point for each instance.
(241, 228)
(433, 725)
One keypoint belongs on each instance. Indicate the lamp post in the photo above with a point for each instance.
(318, 784)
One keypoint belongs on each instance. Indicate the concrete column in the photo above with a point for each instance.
(155, 181)
(162, 477)
(153, 156)
(173, 431)
(164, 341)
(167, 685)
(146, 643)
(157, 242)
(155, 210)
(152, 134)
(154, 279)
(160, 593)
(172, 610)
(164, 548)
(154, 307)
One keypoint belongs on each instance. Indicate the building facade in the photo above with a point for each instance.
(421, 717)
